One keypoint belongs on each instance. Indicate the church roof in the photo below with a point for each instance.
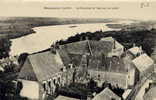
(73, 52)
(135, 50)
(108, 64)
(143, 62)
(44, 65)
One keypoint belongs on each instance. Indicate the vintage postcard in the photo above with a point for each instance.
(77, 50)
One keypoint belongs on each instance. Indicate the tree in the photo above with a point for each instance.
(22, 58)
(5, 44)
(92, 85)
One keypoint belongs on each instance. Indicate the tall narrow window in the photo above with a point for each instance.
(54, 81)
(44, 85)
(49, 83)
(59, 80)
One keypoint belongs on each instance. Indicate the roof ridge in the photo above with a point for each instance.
(33, 69)
(89, 47)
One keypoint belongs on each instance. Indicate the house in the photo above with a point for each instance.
(90, 47)
(118, 48)
(150, 94)
(44, 69)
(115, 71)
(93, 57)
(126, 93)
(73, 52)
(134, 52)
(65, 98)
(30, 89)
(71, 62)
(144, 64)
(106, 94)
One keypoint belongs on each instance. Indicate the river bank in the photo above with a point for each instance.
(15, 27)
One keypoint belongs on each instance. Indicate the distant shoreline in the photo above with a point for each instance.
(13, 28)
(115, 26)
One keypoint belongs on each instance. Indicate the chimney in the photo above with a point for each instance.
(140, 48)
(53, 48)
(134, 44)
(114, 44)
(87, 38)
(141, 51)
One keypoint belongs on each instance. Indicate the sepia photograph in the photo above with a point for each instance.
(77, 50)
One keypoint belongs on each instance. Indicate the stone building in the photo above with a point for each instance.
(144, 65)
(106, 94)
(74, 62)
(46, 70)
(114, 71)
(134, 52)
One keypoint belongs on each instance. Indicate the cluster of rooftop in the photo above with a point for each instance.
(105, 60)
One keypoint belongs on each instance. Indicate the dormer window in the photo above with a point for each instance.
(64, 69)
(70, 66)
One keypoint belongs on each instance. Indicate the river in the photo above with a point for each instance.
(46, 35)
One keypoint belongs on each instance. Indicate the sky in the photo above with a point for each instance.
(132, 9)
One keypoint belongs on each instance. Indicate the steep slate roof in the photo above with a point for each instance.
(75, 59)
(44, 65)
(100, 47)
(64, 56)
(106, 94)
(150, 95)
(73, 52)
(75, 47)
(110, 39)
(82, 47)
(135, 50)
(143, 62)
(107, 64)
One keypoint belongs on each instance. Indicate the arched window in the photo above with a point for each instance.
(54, 81)
(44, 85)
(49, 83)
(98, 75)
